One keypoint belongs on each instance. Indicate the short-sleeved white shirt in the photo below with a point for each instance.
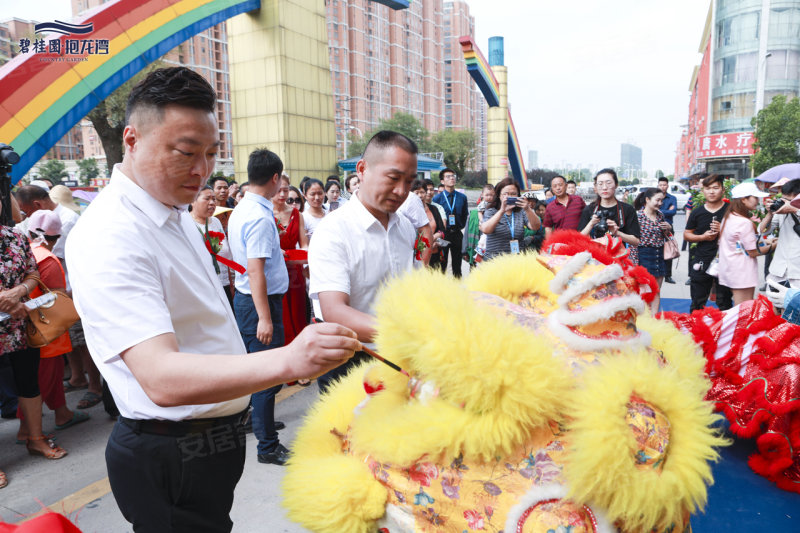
(140, 269)
(414, 211)
(353, 253)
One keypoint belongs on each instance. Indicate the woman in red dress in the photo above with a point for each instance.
(293, 235)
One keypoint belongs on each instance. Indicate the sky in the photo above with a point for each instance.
(584, 76)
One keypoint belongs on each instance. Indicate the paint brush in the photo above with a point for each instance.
(375, 354)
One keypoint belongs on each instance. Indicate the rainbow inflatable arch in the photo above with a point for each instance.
(43, 95)
(481, 72)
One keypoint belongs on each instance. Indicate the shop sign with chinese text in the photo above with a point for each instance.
(725, 145)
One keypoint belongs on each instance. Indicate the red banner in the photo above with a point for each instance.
(725, 145)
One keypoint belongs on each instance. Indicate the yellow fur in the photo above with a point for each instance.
(504, 375)
(602, 444)
(319, 467)
(500, 384)
(510, 276)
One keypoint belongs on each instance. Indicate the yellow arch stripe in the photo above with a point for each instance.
(66, 82)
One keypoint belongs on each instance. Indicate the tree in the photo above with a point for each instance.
(108, 117)
(401, 122)
(54, 170)
(458, 147)
(87, 171)
(777, 134)
(659, 174)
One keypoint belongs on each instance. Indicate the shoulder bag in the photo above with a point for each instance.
(50, 320)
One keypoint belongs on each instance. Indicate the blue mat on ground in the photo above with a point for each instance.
(680, 305)
(741, 500)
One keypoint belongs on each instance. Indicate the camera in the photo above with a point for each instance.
(601, 228)
(8, 156)
(777, 204)
(512, 200)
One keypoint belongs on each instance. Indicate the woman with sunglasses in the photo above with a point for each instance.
(292, 231)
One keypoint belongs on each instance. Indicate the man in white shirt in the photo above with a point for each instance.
(158, 323)
(258, 302)
(360, 246)
(784, 267)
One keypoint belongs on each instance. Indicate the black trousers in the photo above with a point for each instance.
(456, 239)
(176, 484)
(668, 267)
(701, 286)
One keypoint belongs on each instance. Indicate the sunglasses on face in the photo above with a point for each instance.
(291, 201)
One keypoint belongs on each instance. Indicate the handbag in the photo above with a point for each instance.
(51, 320)
(713, 268)
(671, 249)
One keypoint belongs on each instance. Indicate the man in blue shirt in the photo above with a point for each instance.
(258, 302)
(668, 208)
(457, 214)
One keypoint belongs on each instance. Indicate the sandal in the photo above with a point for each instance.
(69, 387)
(77, 418)
(89, 399)
(49, 436)
(3, 479)
(55, 452)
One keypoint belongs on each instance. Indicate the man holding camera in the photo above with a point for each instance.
(702, 229)
(608, 216)
(783, 216)
(455, 207)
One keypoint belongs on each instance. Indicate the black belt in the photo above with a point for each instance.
(181, 428)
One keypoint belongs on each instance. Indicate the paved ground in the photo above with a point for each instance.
(77, 485)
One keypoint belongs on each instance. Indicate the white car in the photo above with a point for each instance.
(677, 190)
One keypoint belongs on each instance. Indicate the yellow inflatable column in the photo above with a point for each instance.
(281, 87)
(497, 124)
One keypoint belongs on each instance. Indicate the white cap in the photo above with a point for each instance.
(41, 184)
(743, 190)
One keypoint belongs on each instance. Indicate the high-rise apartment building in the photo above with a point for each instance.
(533, 159)
(384, 61)
(5, 44)
(630, 157)
(207, 54)
(465, 106)
(751, 53)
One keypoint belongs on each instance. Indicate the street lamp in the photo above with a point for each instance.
(347, 129)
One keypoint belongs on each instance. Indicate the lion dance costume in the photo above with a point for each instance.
(540, 400)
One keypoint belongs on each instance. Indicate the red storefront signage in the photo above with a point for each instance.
(725, 145)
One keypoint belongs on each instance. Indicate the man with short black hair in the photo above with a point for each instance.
(572, 187)
(702, 229)
(564, 212)
(258, 301)
(360, 246)
(158, 322)
(668, 208)
(457, 211)
(220, 187)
